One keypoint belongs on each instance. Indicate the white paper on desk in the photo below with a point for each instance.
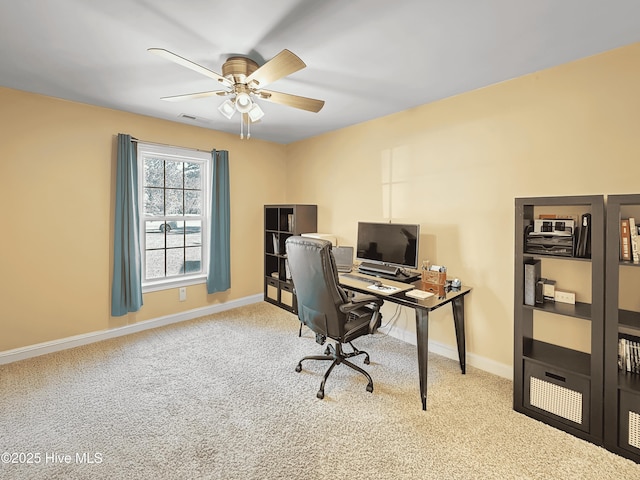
(387, 289)
(419, 294)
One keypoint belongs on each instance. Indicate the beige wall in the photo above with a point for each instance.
(57, 168)
(456, 167)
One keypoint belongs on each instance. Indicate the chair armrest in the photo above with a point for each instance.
(360, 301)
(363, 298)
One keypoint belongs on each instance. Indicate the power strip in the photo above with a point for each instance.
(565, 297)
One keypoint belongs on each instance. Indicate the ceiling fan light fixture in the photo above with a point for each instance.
(227, 109)
(243, 102)
(256, 113)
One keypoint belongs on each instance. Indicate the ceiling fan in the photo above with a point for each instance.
(245, 81)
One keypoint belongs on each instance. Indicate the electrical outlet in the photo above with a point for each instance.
(565, 297)
(183, 294)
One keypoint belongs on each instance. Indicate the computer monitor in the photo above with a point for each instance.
(391, 244)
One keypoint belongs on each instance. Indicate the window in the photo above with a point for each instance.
(174, 215)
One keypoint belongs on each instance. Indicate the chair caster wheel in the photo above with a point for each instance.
(370, 387)
(320, 395)
(299, 368)
(366, 361)
(327, 351)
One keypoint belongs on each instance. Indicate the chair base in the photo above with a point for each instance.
(338, 356)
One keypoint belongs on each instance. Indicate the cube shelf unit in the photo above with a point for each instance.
(557, 385)
(280, 223)
(622, 317)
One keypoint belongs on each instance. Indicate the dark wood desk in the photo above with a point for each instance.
(422, 308)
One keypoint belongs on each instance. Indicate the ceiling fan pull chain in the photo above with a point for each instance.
(241, 128)
(248, 129)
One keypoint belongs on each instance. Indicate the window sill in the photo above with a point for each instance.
(173, 283)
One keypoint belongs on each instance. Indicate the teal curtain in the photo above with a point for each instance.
(219, 277)
(126, 289)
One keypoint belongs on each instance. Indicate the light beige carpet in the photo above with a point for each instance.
(218, 398)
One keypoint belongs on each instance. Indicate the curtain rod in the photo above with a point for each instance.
(134, 139)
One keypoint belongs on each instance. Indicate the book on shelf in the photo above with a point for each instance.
(582, 237)
(287, 270)
(625, 240)
(629, 353)
(578, 239)
(586, 237)
(633, 233)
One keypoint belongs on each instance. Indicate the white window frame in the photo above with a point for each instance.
(178, 154)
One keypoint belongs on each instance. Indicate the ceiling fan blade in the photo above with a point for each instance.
(189, 64)
(283, 64)
(190, 96)
(303, 103)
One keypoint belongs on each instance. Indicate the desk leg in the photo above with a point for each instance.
(458, 320)
(422, 332)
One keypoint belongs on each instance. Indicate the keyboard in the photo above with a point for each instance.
(360, 278)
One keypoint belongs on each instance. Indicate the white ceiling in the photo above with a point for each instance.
(365, 58)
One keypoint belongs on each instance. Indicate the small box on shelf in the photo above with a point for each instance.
(549, 290)
(539, 298)
(434, 282)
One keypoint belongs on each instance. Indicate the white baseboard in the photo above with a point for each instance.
(448, 351)
(30, 351)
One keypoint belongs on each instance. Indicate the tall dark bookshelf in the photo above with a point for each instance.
(280, 223)
(557, 385)
(622, 389)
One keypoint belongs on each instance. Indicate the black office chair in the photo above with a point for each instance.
(326, 308)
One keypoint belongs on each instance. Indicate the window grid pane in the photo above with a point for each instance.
(174, 201)
(192, 176)
(175, 261)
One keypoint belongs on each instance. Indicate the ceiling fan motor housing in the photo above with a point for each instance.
(237, 69)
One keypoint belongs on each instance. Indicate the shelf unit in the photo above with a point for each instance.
(557, 385)
(622, 389)
(280, 223)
